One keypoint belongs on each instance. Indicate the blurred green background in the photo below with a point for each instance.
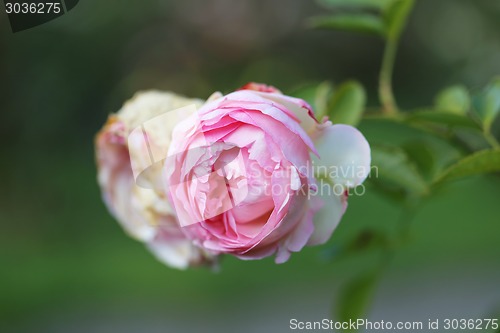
(66, 265)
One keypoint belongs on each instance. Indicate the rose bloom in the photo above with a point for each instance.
(143, 211)
(241, 178)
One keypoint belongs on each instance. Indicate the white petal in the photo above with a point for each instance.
(216, 95)
(146, 105)
(344, 155)
(176, 253)
(329, 216)
(149, 143)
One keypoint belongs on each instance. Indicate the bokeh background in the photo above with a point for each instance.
(66, 265)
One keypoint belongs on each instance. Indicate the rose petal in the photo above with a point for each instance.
(344, 155)
(299, 107)
(329, 216)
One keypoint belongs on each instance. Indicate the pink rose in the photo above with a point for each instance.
(244, 174)
(144, 212)
(241, 178)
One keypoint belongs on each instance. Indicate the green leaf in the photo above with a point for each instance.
(442, 118)
(359, 22)
(323, 92)
(307, 93)
(471, 140)
(454, 99)
(395, 17)
(355, 297)
(390, 192)
(484, 161)
(375, 4)
(487, 104)
(393, 166)
(420, 153)
(431, 155)
(347, 104)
